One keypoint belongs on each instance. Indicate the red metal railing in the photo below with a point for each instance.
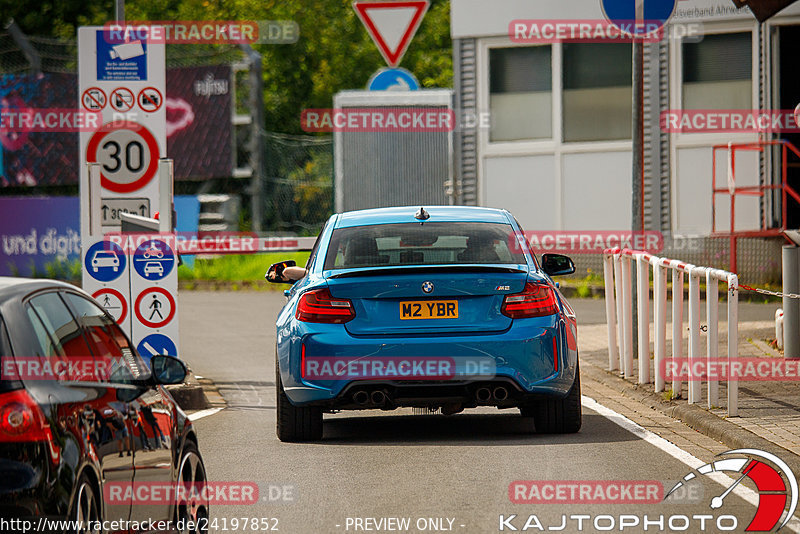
(787, 193)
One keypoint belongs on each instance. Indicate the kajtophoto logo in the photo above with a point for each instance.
(775, 487)
(770, 475)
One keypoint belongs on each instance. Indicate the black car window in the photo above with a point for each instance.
(315, 248)
(437, 243)
(5, 345)
(5, 352)
(60, 325)
(106, 338)
(46, 345)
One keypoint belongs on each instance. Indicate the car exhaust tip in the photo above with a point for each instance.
(378, 397)
(483, 394)
(361, 397)
(500, 393)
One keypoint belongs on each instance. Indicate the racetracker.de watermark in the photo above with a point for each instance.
(58, 120)
(585, 492)
(72, 369)
(394, 368)
(739, 369)
(729, 120)
(542, 31)
(213, 492)
(378, 119)
(593, 242)
(203, 32)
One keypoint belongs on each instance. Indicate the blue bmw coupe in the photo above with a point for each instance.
(444, 308)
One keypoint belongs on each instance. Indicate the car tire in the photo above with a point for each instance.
(295, 423)
(192, 516)
(86, 505)
(558, 416)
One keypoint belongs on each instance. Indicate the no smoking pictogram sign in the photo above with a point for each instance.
(93, 99)
(128, 153)
(122, 99)
(155, 307)
(150, 99)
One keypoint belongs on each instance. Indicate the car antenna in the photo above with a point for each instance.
(422, 215)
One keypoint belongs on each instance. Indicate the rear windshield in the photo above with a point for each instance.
(391, 245)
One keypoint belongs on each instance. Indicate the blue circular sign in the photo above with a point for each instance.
(104, 261)
(153, 260)
(395, 79)
(156, 344)
(650, 16)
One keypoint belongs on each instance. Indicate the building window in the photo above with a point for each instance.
(718, 72)
(520, 87)
(597, 91)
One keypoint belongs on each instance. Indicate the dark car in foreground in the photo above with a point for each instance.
(443, 308)
(84, 423)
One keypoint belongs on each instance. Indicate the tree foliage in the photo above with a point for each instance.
(334, 51)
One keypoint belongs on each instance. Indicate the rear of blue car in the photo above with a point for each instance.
(444, 308)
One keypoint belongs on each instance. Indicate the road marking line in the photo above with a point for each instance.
(676, 452)
(204, 413)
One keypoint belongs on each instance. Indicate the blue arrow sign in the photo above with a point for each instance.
(156, 344)
(393, 80)
(650, 14)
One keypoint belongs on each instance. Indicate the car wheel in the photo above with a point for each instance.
(296, 423)
(558, 416)
(86, 507)
(191, 515)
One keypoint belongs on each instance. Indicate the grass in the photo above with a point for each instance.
(238, 267)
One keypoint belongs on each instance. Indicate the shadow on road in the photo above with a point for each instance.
(466, 429)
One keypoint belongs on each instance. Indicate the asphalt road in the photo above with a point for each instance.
(442, 473)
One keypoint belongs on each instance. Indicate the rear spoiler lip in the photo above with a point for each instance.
(468, 268)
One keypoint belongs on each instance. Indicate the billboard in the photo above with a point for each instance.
(38, 234)
(38, 158)
(199, 104)
(199, 131)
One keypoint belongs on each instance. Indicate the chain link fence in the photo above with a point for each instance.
(299, 182)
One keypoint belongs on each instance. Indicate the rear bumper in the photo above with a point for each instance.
(520, 359)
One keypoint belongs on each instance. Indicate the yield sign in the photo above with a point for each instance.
(391, 24)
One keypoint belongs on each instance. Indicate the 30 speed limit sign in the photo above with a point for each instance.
(128, 154)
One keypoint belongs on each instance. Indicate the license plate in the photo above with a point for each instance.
(429, 309)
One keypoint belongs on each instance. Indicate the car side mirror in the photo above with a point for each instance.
(167, 369)
(557, 264)
(284, 272)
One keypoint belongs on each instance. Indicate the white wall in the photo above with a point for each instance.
(597, 191)
(692, 195)
(525, 186)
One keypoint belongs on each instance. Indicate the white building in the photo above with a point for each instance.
(558, 153)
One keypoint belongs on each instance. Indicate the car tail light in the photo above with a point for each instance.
(319, 306)
(536, 300)
(21, 419)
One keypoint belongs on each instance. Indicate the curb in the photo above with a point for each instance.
(692, 415)
(189, 395)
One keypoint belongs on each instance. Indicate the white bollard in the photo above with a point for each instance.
(611, 320)
(733, 342)
(643, 315)
(677, 325)
(779, 328)
(695, 390)
(627, 316)
(620, 328)
(712, 340)
(660, 321)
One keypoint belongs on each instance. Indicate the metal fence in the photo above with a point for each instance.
(299, 182)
